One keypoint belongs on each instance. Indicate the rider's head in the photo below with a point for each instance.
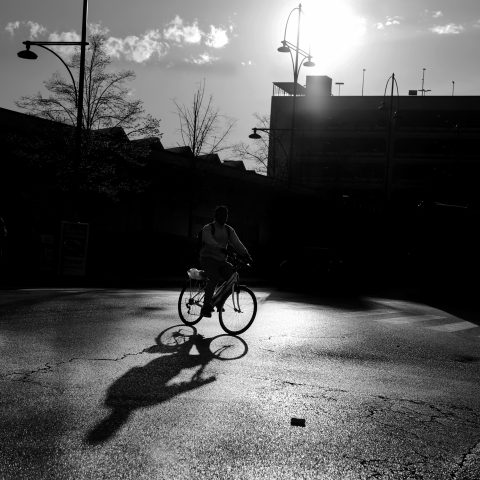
(221, 214)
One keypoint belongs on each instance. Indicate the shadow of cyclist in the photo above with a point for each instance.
(146, 386)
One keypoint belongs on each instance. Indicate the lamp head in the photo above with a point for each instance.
(254, 135)
(284, 48)
(309, 63)
(27, 54)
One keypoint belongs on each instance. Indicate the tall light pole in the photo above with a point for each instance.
(453, 88)
(287, 47)
(423, 83)
(392, 116)
(339, 85)
(363, 80)
(28, 54)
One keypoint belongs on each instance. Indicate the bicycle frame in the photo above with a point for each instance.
(221, 292)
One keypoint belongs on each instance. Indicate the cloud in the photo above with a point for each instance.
(12, 26)
(178, 32)
(389, 22)
(72, 36)
(217, 38)
(248, 63)
(173, 38)
(35, 28)
(98, 29)
(437, 14)
(449, 29)
(203, 59)
(137, 49)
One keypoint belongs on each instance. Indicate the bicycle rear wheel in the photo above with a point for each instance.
(190, 302)
(238, 310)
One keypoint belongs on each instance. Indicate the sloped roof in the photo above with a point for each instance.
(112, 132)
(211, 159)
(153, 143)
(238, 164)
(185, 151)
(288, 87)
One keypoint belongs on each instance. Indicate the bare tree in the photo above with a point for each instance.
(202, 127)
(107, 100)
(110, 162)
(256, 150)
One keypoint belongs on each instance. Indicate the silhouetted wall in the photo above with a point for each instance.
(143, 216)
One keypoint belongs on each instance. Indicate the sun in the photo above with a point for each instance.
(331, 30)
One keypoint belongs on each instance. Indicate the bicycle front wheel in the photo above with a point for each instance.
(238, 310)
(190, 302)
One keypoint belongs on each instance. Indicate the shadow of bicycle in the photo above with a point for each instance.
(181, 348)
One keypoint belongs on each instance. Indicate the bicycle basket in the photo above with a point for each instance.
(196, 274)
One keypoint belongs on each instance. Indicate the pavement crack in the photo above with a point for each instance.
(26, 376)
(472, 452)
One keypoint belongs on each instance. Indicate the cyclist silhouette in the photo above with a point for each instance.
(216, 236)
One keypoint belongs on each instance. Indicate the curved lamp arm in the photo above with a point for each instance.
(288, 18)
(67, 67)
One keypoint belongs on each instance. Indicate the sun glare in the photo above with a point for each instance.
(331, 30)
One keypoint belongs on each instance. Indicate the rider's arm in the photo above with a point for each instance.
(237, 244)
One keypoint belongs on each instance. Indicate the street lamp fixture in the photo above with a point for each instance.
(271, 132)
(29, 55)
(306, 60)
(284, 48)
(255, 135)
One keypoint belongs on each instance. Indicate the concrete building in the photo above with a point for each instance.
(402, 147)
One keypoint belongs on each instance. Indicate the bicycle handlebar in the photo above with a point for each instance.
(240, 261)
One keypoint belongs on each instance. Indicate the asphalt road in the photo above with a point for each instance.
(98, 384)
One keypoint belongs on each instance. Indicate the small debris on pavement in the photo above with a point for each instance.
(297, 422)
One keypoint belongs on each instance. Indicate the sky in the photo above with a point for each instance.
(232, 46)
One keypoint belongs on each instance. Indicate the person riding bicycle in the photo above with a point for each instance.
(216, 236)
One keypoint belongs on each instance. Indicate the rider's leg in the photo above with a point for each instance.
(212, 269)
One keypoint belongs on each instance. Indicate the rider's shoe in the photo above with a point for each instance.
(206, 311)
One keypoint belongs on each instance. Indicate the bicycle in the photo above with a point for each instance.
(236, 304)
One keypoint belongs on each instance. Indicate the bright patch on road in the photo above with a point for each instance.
(454, 327)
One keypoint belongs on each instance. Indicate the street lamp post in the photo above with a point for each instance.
(423, 83)
(363, 80)
(339, 85)
(29, 55)
(73, 262)
(392, 116)
(287, 47)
